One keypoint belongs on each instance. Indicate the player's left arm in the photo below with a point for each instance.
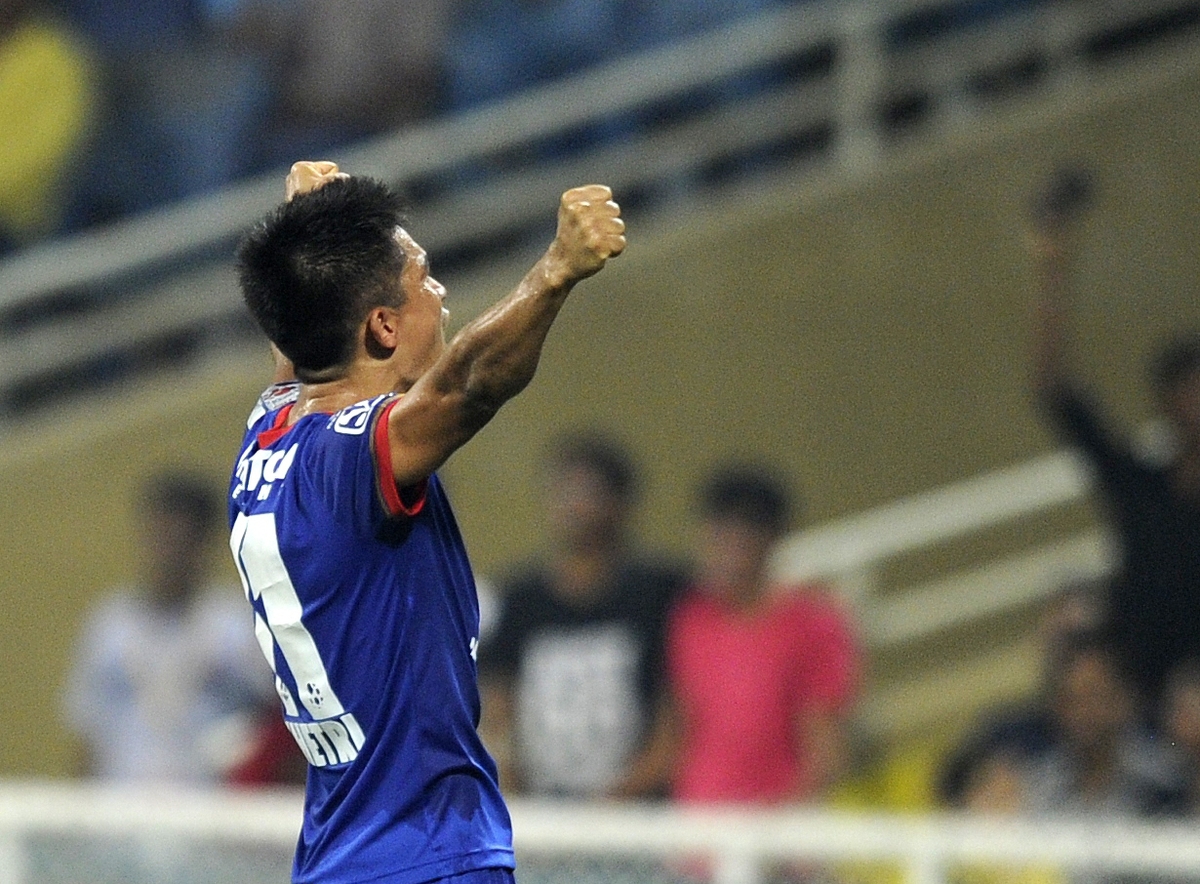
(495, 356)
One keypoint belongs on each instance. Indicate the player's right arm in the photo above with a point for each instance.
(495, 356)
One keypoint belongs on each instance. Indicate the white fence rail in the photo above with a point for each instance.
(850, 552)
(169, 829)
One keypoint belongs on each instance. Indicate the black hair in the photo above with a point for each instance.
(599, 454)
(1176, 362)
(962, 767)
(746, 493)
(184, 494)
(312, 269)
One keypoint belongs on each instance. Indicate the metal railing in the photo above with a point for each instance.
(53, 833)
(851, 551)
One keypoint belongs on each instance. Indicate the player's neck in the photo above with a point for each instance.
(328, 397)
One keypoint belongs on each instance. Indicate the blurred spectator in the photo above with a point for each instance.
(496, 48)
(1102, 762)
(988, 773)
(1019, 733)
(168, 680)
(763, 677)
(184, 86)
(572, 676)
(44, 98)
(988, 778)
(353, 69)
(1089, 757)
(1182, 728)
(1154, 508)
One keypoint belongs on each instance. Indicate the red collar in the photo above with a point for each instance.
(279, 427)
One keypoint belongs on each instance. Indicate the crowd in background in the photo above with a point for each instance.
(609, 671)
(114, 108)
(1113, 729)
(609, 674)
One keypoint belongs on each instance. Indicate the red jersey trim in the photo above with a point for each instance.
(393, 497)
(269, 437)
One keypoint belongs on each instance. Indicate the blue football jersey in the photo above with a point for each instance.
(365, 607)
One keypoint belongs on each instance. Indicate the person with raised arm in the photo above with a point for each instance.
(1153, 507)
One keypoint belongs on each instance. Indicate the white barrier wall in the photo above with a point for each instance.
(60, 832)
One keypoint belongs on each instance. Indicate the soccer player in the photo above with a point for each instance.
(363, 598)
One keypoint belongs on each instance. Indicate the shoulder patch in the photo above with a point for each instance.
(353, 420)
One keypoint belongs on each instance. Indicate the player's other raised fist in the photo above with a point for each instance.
(309, 175)
(590, 231)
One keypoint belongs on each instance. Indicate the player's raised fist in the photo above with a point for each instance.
(590, 231)
(309, 175)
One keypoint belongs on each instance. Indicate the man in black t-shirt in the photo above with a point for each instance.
(572, 669)
(1154, 508)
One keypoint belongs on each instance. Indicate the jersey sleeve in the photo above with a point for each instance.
(351, 471)
(397, 501)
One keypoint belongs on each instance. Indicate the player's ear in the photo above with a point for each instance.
(383, 329)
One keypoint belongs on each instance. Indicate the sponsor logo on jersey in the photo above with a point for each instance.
(330, 741)
(258, 470)
(353, 420)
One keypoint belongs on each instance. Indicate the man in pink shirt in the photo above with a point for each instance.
(763, 676)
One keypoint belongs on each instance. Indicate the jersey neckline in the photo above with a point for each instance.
(279, 427)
